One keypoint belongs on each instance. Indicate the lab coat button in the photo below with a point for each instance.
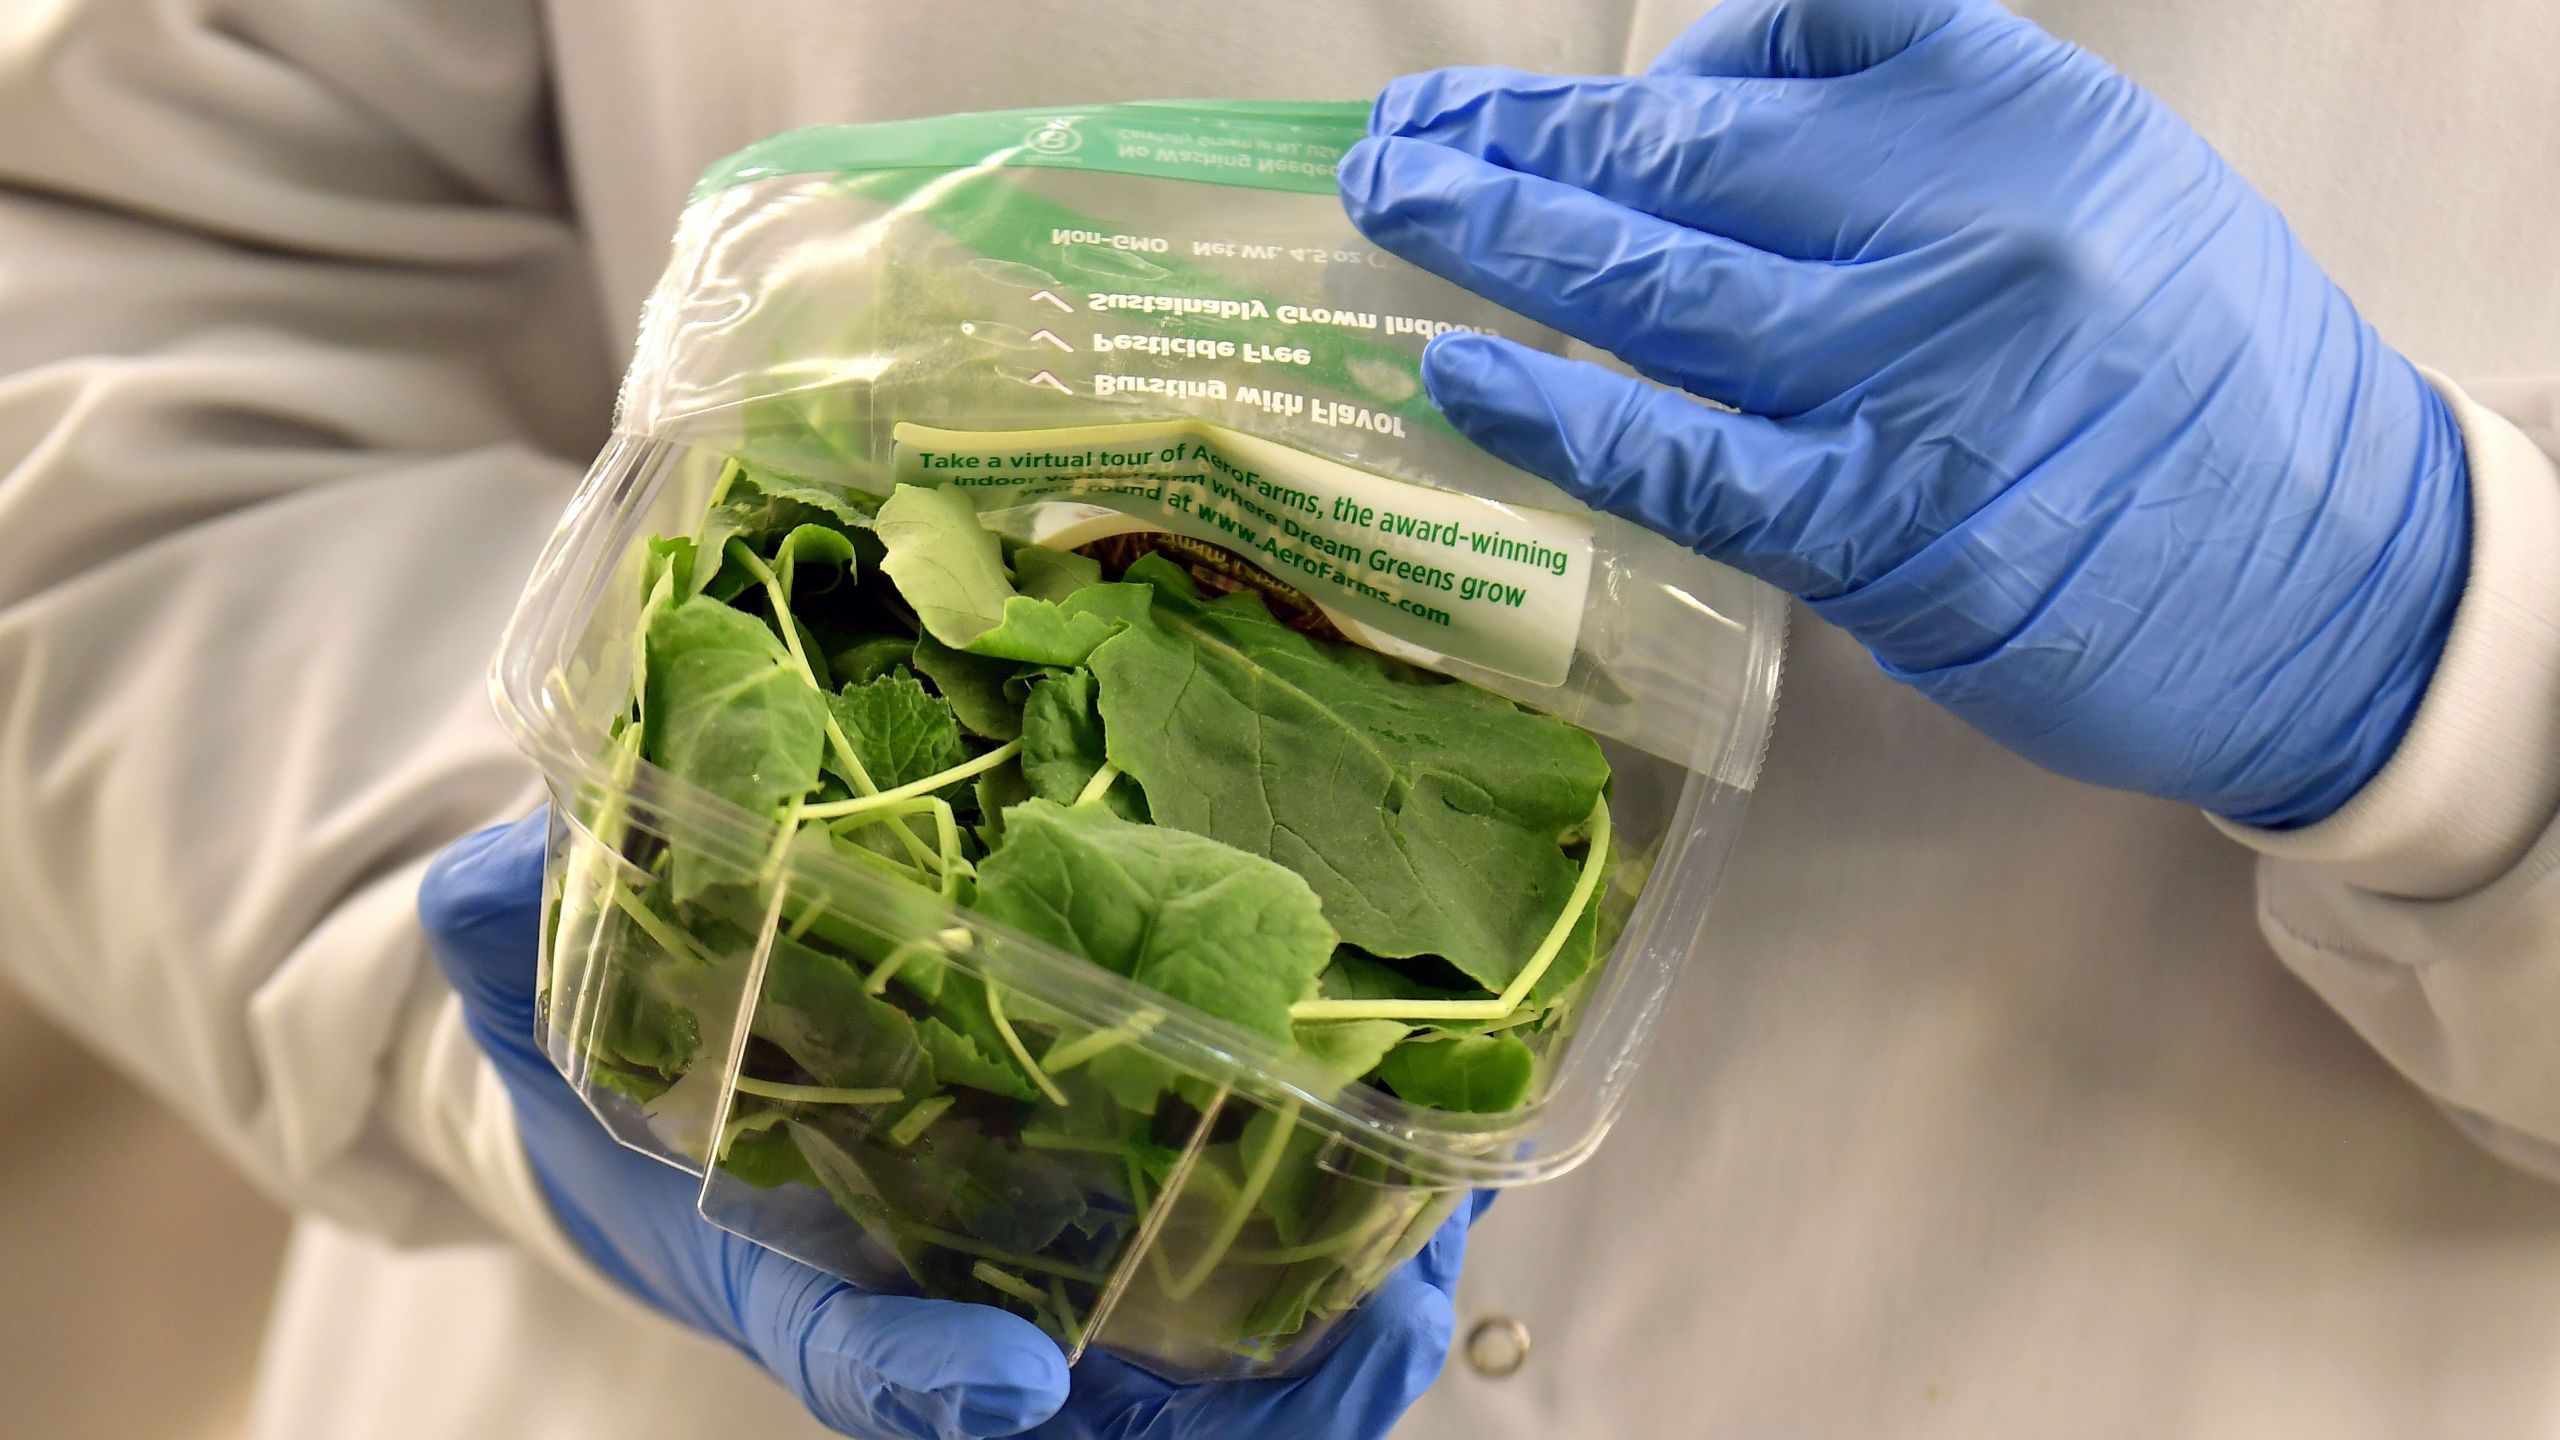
(1497, 1346)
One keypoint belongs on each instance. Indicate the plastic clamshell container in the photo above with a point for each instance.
(1225, 1234)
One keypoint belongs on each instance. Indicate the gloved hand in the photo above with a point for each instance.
(2036, 397)
(871, 1366)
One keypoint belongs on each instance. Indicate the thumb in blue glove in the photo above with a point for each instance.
(871, 1365)
(866, 1365)
(2028, 390)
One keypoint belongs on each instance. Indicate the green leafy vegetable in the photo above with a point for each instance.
(671, 556)
(765, 1155)
(1355, 976)
(1039, 632)
(1395, 874)
(958, 1060)
(1053, 575)
(757, 505)
(975, 686)
(998, 790)
(902, 732)
(947, 566)
(1428, 817)
(847, 508)
(815, 1008)
(1205, 923)
(1478, 1074)
(806, 546)
(727, 711)
(871, 657)
(1349, 1049)
(952, 571)
(1061, 736)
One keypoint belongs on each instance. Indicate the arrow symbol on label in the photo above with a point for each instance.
(1052, 381)
(1052, 298)
(1052, 339)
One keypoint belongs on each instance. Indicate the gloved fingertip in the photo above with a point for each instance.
(927, 1368)
(1425, 1318)
(1455, 366)
(1391, 185)
(1805, 39)
(1441, 1258)
(487, 879)
(1409, 104)
(1395, 1348)
(1496, 393)
(1356, 174)
(1395, 103)
(1606, 439)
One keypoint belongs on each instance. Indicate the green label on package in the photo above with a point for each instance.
(1259, 144)
(1490, 584)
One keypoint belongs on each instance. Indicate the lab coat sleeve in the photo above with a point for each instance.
(2427, 911)
(294, 341)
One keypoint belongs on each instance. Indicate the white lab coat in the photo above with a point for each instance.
(1986, 1113)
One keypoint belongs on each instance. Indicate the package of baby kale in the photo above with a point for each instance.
(1074, 789)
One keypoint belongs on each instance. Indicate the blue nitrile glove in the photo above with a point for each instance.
(867, 1365)
(872, 1366)
(2038, 399)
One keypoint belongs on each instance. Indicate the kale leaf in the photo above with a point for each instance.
(949, 568)
(903, 732)
(974, 685)
(1063, 747)
(1202, 922)
(1428, 817)
(871, 657)
(727, 711)
(1475, 1074)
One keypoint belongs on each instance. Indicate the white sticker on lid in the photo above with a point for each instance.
(1494, 585)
